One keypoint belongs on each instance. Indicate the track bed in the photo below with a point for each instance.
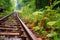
(12, 29)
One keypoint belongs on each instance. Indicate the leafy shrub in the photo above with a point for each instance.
(9, 6)
(38, 29)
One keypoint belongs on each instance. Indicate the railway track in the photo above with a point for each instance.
(13, 28)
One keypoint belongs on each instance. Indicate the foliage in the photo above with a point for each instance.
(53, 34)
(46, 20)
(51, 23)
(41, 3)
(27, 9)
(55, 3)
(9, 6)
(38, 29)
(36, 16)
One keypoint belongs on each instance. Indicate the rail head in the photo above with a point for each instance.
(30, 34)
(5, 17)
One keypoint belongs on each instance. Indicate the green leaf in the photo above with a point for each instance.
(51, 23)
(58, 23)
(52, 34)
(36, 28)
(55, 3)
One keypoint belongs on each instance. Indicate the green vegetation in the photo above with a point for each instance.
(42, 17)
(8, 7)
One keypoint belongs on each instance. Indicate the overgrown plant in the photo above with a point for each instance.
(8, 6)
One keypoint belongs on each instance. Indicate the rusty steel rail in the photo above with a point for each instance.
(5, 18)
(29, 33)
